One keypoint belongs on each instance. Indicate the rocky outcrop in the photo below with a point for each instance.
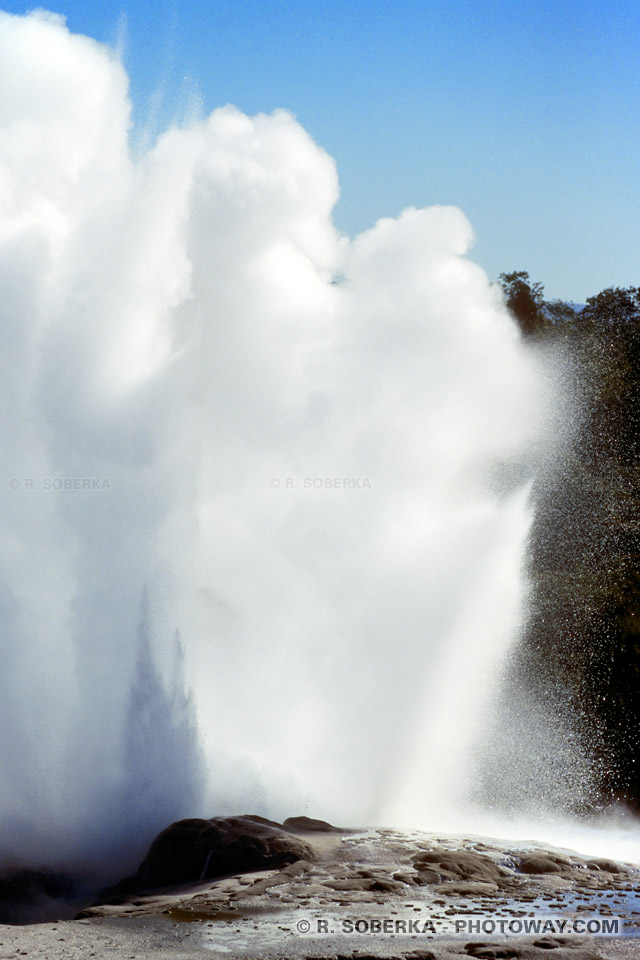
(309, 825)
(191, 851)
(435, 866)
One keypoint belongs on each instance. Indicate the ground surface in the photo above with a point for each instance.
(374, 893)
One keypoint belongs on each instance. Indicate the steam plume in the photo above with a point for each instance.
(223, 418)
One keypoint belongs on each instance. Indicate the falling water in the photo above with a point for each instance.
(264, 490)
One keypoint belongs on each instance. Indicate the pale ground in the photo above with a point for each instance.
(156, 939)
(371, 875)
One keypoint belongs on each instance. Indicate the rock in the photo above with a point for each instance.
(382, 885)
(471, 888)
(543, 863)
(440, 864)
(425, 877)
(347, 883)
(192, 851)
(608, 866)
(407, 878)
(309, 825)
(491, 951)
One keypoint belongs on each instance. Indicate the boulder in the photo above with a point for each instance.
(438, 865)
(607, 866)
(309, 825)
(543, 863)
(193, 851)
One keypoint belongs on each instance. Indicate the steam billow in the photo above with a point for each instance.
(264, 488)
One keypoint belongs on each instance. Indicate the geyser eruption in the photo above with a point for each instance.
(307, 455)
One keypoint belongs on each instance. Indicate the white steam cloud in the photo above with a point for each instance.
(191, 331)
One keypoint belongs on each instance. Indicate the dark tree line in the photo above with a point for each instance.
(583, 633)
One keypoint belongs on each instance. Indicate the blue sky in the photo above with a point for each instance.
(524, 113)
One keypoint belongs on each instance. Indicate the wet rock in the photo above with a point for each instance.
(491, 951)
(406, 878)
(472, 888)
(426, 876)
(382, 885)
(309, 825)
(544, 863)
(192, 851)
(607, 866)
(348, 883)
(445, 865)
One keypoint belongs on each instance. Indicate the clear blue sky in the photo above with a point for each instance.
(525, 113)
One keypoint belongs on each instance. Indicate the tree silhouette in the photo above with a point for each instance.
(524, 300)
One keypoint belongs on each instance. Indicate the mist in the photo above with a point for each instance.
(265, 487)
